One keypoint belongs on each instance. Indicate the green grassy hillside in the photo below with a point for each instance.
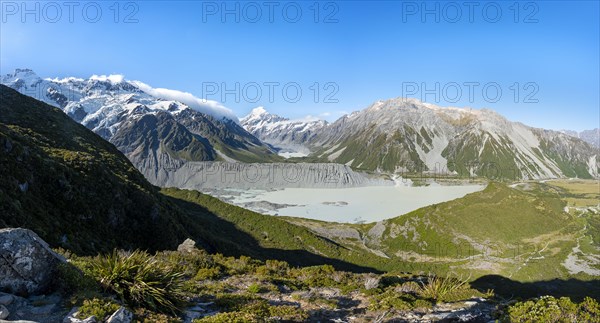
(78, 192)
(72, 187)
(522, 233)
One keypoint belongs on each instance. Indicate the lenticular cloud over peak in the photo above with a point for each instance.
(113, 78)
(209, 107)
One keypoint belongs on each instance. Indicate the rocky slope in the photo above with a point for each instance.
(219, 175)
(592, 136)
(406, 135)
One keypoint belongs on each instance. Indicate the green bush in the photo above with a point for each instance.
(254, 289)
(229, 317)
(549, 309)
(273, 268)
(287, 313)
(71, 279)
(187, 263)
(139, 280)
(315, 276)
(393, 300)
(208, 273)
(100, 308)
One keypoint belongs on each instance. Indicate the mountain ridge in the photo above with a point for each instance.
(105, 104)
(408, 136)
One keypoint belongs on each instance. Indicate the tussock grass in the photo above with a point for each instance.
(139, 280)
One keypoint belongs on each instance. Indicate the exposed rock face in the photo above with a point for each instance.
(122, 315)
(188, 245)
(201, 175)
(27, 264)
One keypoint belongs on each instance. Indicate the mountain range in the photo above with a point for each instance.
(408, 136)
(146, 123)
(160, 129)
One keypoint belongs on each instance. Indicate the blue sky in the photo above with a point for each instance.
(357, 52)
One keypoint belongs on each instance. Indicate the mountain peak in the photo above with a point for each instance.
(258, 111)
(20, 78)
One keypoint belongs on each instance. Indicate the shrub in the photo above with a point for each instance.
(549, 309)
(100, 308)
(255, 289)
(315, 276)
(228, 317)
(409, 287)
(139, 280)
(187, 263)
(143, 315)
(273, 268)
(208, 273)
(70, 279)
(393, 300)
(287, 313)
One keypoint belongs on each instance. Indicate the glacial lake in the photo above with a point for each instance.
(350, 205)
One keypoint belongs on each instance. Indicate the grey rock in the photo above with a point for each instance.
(27, 264)
(190, 316)
(3, 312)
(71, 317)
(24, 187)
(42, 310)
(6, 299)
(188, 245)
(122, 315)
(8, 146)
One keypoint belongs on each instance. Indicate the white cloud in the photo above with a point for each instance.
(113, 78)
(308, 118)
(209, 107)
(64, 80)
(332, 116)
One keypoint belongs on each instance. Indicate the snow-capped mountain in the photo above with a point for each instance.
(289, 136)
(407, 135)
(145, 122)
(590, 136)
(161, 128)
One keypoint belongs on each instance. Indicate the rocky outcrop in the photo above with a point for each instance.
(27, 264)
(122, 315)
(188, 245)
(213, 175)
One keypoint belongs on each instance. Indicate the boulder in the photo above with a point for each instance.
(188, 245)
(122, 315)
(27, 264)
(3, 312)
